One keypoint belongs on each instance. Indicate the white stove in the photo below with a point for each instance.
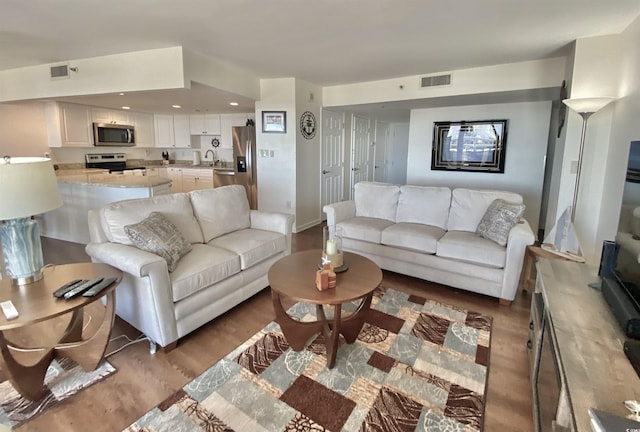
(116, 163)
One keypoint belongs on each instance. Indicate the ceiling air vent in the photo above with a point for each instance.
(435, 80)
(59, 71)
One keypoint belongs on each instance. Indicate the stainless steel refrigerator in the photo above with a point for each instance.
(244, 157)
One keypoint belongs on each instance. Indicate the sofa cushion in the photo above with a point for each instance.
(418, 237)
(158, 235)
(376, 200)
(221, 210)
(203, 266)
(175, 207)
(364, 228)
(468, 206)
(424, 205)
(498, 220)
(466, 246)
(252, 245)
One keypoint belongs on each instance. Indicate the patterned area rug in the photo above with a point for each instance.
(64, 378)
(417, 366)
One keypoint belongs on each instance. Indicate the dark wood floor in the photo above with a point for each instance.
(144, 380)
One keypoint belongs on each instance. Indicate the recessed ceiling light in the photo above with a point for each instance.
(126, 107)
(121, 94)
(176, 106)
(234, 103)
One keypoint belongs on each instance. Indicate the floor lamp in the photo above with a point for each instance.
(28, 187)
(585, 107)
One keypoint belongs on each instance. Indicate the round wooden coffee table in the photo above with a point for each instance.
(48, 327)
(294, 277)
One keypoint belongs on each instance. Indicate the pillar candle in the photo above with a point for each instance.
(332, 247)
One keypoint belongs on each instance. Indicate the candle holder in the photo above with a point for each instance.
(332, 244)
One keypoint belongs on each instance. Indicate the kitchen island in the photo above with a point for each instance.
(88, 190)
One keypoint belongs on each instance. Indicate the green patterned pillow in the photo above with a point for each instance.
(158, 235)
(498, 220)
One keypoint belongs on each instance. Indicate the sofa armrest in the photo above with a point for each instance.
(129, 259)
(269, 221)
(340, 211)
(520, 237)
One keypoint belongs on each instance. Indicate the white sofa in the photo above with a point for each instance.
(232, 249)
(430, 233)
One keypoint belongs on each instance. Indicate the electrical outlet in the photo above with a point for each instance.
(288, 204)
(574, 167)
(271, 153)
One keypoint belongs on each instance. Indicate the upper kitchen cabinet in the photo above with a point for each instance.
(204, 124)
(172, 131)
(144, 129)
(68, 125)
(181, 130)
(104, 115)
(163, 125)
(227, 121)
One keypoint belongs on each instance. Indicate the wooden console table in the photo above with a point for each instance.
(48, 327)
(593, 369)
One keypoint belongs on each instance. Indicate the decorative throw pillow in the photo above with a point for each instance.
(158, 235)
(498, 220)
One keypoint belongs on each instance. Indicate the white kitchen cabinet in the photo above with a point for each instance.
(143, 129)
(163, 126)
(182, 133)
(196, 178)
(68, 125)
(227, 121)
(204, 124)
(175, 175)
(105, 115)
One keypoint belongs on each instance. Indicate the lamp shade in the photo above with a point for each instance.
(588, 105)
(28, 186)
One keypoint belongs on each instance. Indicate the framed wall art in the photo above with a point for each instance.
(274, 121)
(478, 146)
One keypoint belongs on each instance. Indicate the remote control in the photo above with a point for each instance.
(66, 288)
(79, 289)
(9, 310)
(99, 287)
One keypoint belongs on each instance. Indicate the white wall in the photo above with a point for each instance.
(308, 157)
(277, 175)
(526, 147)
(625, 128)
(527, 75)
(23, 130)
(398, 152)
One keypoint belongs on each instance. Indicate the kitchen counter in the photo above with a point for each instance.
(111, 180)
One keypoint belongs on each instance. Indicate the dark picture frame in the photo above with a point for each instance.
(476, 146)
(274, 121)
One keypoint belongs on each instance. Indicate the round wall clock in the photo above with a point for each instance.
(308, 125)
(215, 142)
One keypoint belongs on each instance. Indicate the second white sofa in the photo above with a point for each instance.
(430, 233)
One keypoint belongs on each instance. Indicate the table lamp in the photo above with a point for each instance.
(28, 187)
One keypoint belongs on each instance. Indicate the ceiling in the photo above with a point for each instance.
(325, 42)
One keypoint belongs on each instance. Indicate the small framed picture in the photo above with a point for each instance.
(274, 121)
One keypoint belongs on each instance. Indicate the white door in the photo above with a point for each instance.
(361, 169)
(332, 157)
(381, 152)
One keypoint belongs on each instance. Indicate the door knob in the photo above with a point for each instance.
(325, 172)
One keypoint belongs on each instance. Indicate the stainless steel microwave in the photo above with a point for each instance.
(108, 134)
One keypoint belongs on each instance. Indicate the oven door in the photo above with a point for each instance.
(105, 134)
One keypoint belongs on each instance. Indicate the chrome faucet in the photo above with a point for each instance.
(213, 155)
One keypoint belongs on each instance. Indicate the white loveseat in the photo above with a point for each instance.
(232, 249)
(430, 233)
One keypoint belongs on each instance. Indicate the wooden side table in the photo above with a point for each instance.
(528, 270)
(48, 327)
(294, 277)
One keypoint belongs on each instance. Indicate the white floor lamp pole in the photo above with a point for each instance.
(585, 107)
